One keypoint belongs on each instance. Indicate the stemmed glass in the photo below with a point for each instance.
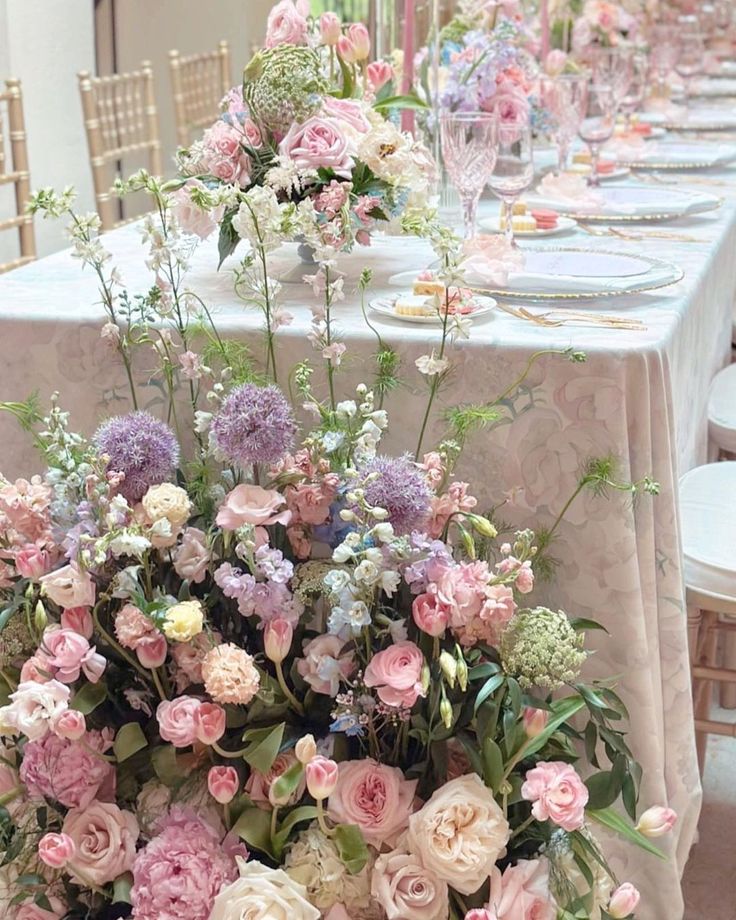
(690, 60)
(597, 126)
(513, 171)
(664, 48)
(634, 97)
(565, 98)
(469, 148)
(612, 67)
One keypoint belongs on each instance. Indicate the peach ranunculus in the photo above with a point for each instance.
(522, 892)
(558, 794)
(376, 797)
(491, 259)
(406, 890)
(69, 586)
(396, 672)
(459, 833)
(258, 785)
(104, 837)
(248, 504)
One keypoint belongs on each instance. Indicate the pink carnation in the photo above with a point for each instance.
(69, 772)
(396, 672)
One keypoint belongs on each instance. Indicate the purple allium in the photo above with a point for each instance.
(140, 446)
(401, 489)
(254, 425)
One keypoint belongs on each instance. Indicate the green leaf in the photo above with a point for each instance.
(483, 670)
(405, 101)
(629, 796)
(489, 687)
(348, 81)
(470, 745)
(492, 764)
(128, 741)
(121, 888)
(89, 698)
(602, 790)
(263, 746)
(254, 826)
(303, 813)
(591, 741)
(228, 239)
(580, 624)
(165, 764)
(32, 880)
(514, 695)
(288, 781)
(351, 846)
(562, 711)
(615, 822)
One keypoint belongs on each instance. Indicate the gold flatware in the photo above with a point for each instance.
(684, 179)
(633, 235)
(556, 318)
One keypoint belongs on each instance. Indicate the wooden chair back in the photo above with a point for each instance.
(120, 119)
(198, 83)
(14, 171)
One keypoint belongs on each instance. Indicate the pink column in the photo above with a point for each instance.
(408, 118)
(544, 23)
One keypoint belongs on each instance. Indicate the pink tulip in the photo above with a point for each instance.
(78, 619)
(535, 721)
(70, 725)
(657, 821)
(624, 901)
(151, 650)
(32, 562)
(209, 723)
(277, 638)
(223, 783)
(330, 28)
(361, 40)
(479, 913)
(347, 50)
(55, 850)
(321, 773)
(429, 616)
(379, 73)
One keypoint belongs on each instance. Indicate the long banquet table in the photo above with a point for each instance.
(641, 396)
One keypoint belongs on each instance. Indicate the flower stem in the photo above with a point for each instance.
(327, 831)
(522, 827)
(287, 693)
(231, 755)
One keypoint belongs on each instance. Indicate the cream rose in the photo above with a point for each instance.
(406, 890)
(167, 501)
(460, 833)
(263, 894)
(183, 621)
(104, 839)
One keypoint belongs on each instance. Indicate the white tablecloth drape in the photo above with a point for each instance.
(641, 396)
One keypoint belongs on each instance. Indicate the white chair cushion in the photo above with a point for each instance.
(708, 517)
(722, 409)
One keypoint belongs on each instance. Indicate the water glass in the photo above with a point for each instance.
(597, 126)
(636, 92)
(565, 98)
(690, 60)
(469, 147)
(663, 51)
(513, 171)
(612, 67)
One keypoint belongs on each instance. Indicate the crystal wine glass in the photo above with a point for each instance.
(634, 97)
(597, 126)
(612, 67)
(664, 48)
(565, 98)
(690, 60)
(469, 148)
(513, 171)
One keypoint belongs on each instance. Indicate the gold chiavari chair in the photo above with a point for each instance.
(198, 81)
(121, 120)
(15, 171)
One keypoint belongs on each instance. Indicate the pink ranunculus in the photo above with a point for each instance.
(32, 561)
(223, 783)
(429, 616)
(624, 901)
(55, 850)
(558, 794)
(522, 892)
(104, 837)
(69, 586)
(379, 73)
(321, 775)
(396, 672)
(151, 650)
(325, 664)
(657, 821)
(248, 504)
(70, 654)
(258, 785)
(176, 720)
(210, 721)
(318, 143)
(69, 724)
(79, 619)
(192, 556)
(286, 25)
(330, 28)
(277, 636)
(376, 797)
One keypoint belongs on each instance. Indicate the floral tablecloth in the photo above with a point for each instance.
(641, 395)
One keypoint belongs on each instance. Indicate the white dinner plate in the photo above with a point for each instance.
(385, 307)
(630, 203)
(683, 155)
(564, 225)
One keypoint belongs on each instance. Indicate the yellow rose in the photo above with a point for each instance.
(183, 621)
(167, 501)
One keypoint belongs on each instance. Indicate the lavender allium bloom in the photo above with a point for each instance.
(142, 447)
(254, 425)
(401, 489)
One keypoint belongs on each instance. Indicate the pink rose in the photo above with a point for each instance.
(321, 775)
(32, 561)
(378, 798)
(252, 505)
(55, 850)
(104, 837)
(69, 654)
(69, 724)
(192, 556)
(558, 794)
(177, 720)
(286, 25)
(210, 721)
(330, 28)
(406, 890)
(397, 673)
(79, 619)
(258, 785)
(657, 821)
(511, 106)
(223, 783)
(324, 665)
(69, 586)
(350, 113)
(522, 892)
(318, 143)
(429, 616)
(624, 901)
(379, 73)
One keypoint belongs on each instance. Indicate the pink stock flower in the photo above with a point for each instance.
(69, 586)
(299, 542)
(378, 798)
(69, 725)
(379, 73)
(177, 720)
(286, 25)
(429, 616)
(25, 506)
(318, 143)
(455, 501)
(524, 581)
(210, 722)
(104, 837)
(55, 850)
(69, 772)
(325, 664)
(330, 28)
(248, 504)
(363, 207)
(78, 619)
(331, 199)
(522, 892)
(192, 556)
(657, 821)
(277, 637)
(223, 783)
(624, 901)
(558, 794)
(321, 775)
(69, 654)
(258, 785)
(32, 561)
(396, 672)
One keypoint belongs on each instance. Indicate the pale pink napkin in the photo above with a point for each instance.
(491, 259)
(569, 189)
(625, 147)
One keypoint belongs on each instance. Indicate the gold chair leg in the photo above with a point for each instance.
(707, 646)
(728, 690)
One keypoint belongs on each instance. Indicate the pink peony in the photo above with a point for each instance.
(376, 797)
(69, 586)
(177, 720)
(522, 892)
(397, 673)
(324, 665)
(558, 794)
(69, 772)
(248, 504)
(318, 143)
(69, 654)
(258, 785)
(104, 837)
(286, 25)
(192, 556)
(55, 850)
(79, 619)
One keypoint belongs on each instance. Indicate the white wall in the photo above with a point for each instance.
(45, 43)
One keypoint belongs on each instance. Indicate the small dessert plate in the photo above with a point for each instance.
(564, 225)
(386, 306)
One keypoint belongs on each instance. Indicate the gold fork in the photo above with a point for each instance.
(570, 316)
(639, 234)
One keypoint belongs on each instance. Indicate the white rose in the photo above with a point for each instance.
(460, 833)
(263, 894)
(169, 502)
(33, 708)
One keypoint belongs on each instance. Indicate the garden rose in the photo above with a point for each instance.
(261, 892)
(69, 586)
(176, 720)
(55, 850)
(184, 621)
(522, 892)
(558, 794)
(376, 797)
(406, 890)
(104, 838)
(318, 143)
(248, 504)
(286, 25)
(397, 673)
(459, 833)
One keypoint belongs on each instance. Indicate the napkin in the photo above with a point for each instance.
(569, 189)
(489, 259)
(626, 146)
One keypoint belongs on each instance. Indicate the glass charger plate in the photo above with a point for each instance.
(684, 156)
(385, 307)
(633, 203)
(538, 282)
